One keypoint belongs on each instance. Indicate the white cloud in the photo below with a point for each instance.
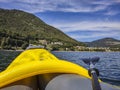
(58, 5)
(88, 25)
(103, 2)
(95, 29)
(111, 13)
(36, 6)
(94, 36)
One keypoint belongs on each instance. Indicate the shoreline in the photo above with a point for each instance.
(10, 50)
(61, 51)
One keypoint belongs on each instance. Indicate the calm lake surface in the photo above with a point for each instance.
(109, 64)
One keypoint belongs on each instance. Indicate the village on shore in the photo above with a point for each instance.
(57, 46)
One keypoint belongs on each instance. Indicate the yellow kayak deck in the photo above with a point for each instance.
(38, 61)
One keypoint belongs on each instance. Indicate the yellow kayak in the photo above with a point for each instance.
(40, 63)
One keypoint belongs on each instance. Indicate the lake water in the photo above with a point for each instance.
(108, 65)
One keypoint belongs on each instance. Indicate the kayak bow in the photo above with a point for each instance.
(37, 61)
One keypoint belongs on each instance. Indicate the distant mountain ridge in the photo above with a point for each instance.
(20, 27)
(105, 42)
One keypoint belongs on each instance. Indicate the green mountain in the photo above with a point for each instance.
(19, 28)
(105, 42)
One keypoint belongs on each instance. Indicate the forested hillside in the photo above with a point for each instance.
(111, 43)
(105, 42)
(18, 29)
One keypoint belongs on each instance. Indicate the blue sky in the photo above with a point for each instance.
(83, 20)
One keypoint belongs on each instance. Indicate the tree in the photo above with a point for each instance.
(3, 43)
(7, 40)
(25, 45)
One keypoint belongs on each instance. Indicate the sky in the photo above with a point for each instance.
(83, 20)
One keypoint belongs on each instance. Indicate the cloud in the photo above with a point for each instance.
(88, 25)
(90, 30)
(105, 2)
(35, 6)
(82, 6)
(94, 36)
(111, 13)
